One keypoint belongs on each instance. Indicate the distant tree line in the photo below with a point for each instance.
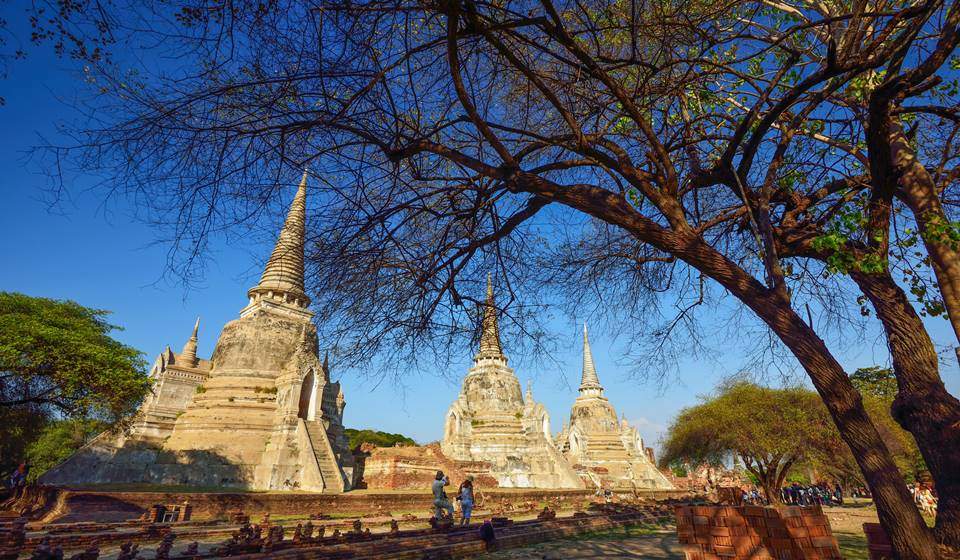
(380, 439)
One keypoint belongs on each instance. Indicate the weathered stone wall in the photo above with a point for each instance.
(415, 467)
(91, 505)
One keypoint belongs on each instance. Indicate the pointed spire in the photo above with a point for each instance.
(490, 335)
(283, 275)
(189, 352)
(326, 365)
(529, 395)
(589, 380)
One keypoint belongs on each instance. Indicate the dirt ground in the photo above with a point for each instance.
(636, 543)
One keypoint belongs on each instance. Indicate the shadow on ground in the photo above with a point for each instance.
(653, 545)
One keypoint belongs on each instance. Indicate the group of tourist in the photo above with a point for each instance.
(442, 504)
(819, 494)
(924, 497)
(798, 495)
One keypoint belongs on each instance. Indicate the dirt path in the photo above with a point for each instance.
(656, 545)
(846, 522)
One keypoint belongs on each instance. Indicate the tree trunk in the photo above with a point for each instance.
(771, 489)
(922, 406)
(910, 536)
(919, 192)
(908, 533)
(899, 516)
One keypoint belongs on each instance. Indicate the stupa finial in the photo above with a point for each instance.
(490, 334)
(283, 275)
(589, 379)
(189, 353)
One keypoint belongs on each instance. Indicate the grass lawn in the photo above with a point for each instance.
(852, 546)
(640, 530)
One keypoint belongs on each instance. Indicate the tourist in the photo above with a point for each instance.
(440, 501)
(838, 494)
(19, 476)
(927, 501)
(465, 497)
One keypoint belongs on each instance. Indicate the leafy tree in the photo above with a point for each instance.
(18, 427)
(875, 381)
(58, 440)
(770, 430)
(60, 373)
(378, 438)
(57, 356)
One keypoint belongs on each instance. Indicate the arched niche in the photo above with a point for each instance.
(308, 397)
(453, 424)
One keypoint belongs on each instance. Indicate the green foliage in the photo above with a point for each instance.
(770, 430)
(58, 356)
(943, 231)
(18, 427)
(875, 381)
(58, 440)
(859, 88)
(849, 224)
(378, 438)
(61, 376)
(752, 421)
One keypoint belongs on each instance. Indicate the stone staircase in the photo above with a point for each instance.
(326, 460)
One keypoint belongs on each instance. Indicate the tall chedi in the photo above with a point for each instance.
(261, 414)
(491, 422)
(604, 450)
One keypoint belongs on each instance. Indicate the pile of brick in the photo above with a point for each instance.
(755, 532)
(12, 536)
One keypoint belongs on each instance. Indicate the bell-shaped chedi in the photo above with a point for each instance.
(492, 422)
(261, 414)
(606, 451)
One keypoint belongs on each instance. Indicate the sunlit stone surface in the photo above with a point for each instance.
(605, 452)
(261, 414)
(492, 422)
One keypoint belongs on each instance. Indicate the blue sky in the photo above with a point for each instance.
(94, 252)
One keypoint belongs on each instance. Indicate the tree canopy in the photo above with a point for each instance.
(376, 437)
(777, 431)
(57, 356)
(770, 430)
